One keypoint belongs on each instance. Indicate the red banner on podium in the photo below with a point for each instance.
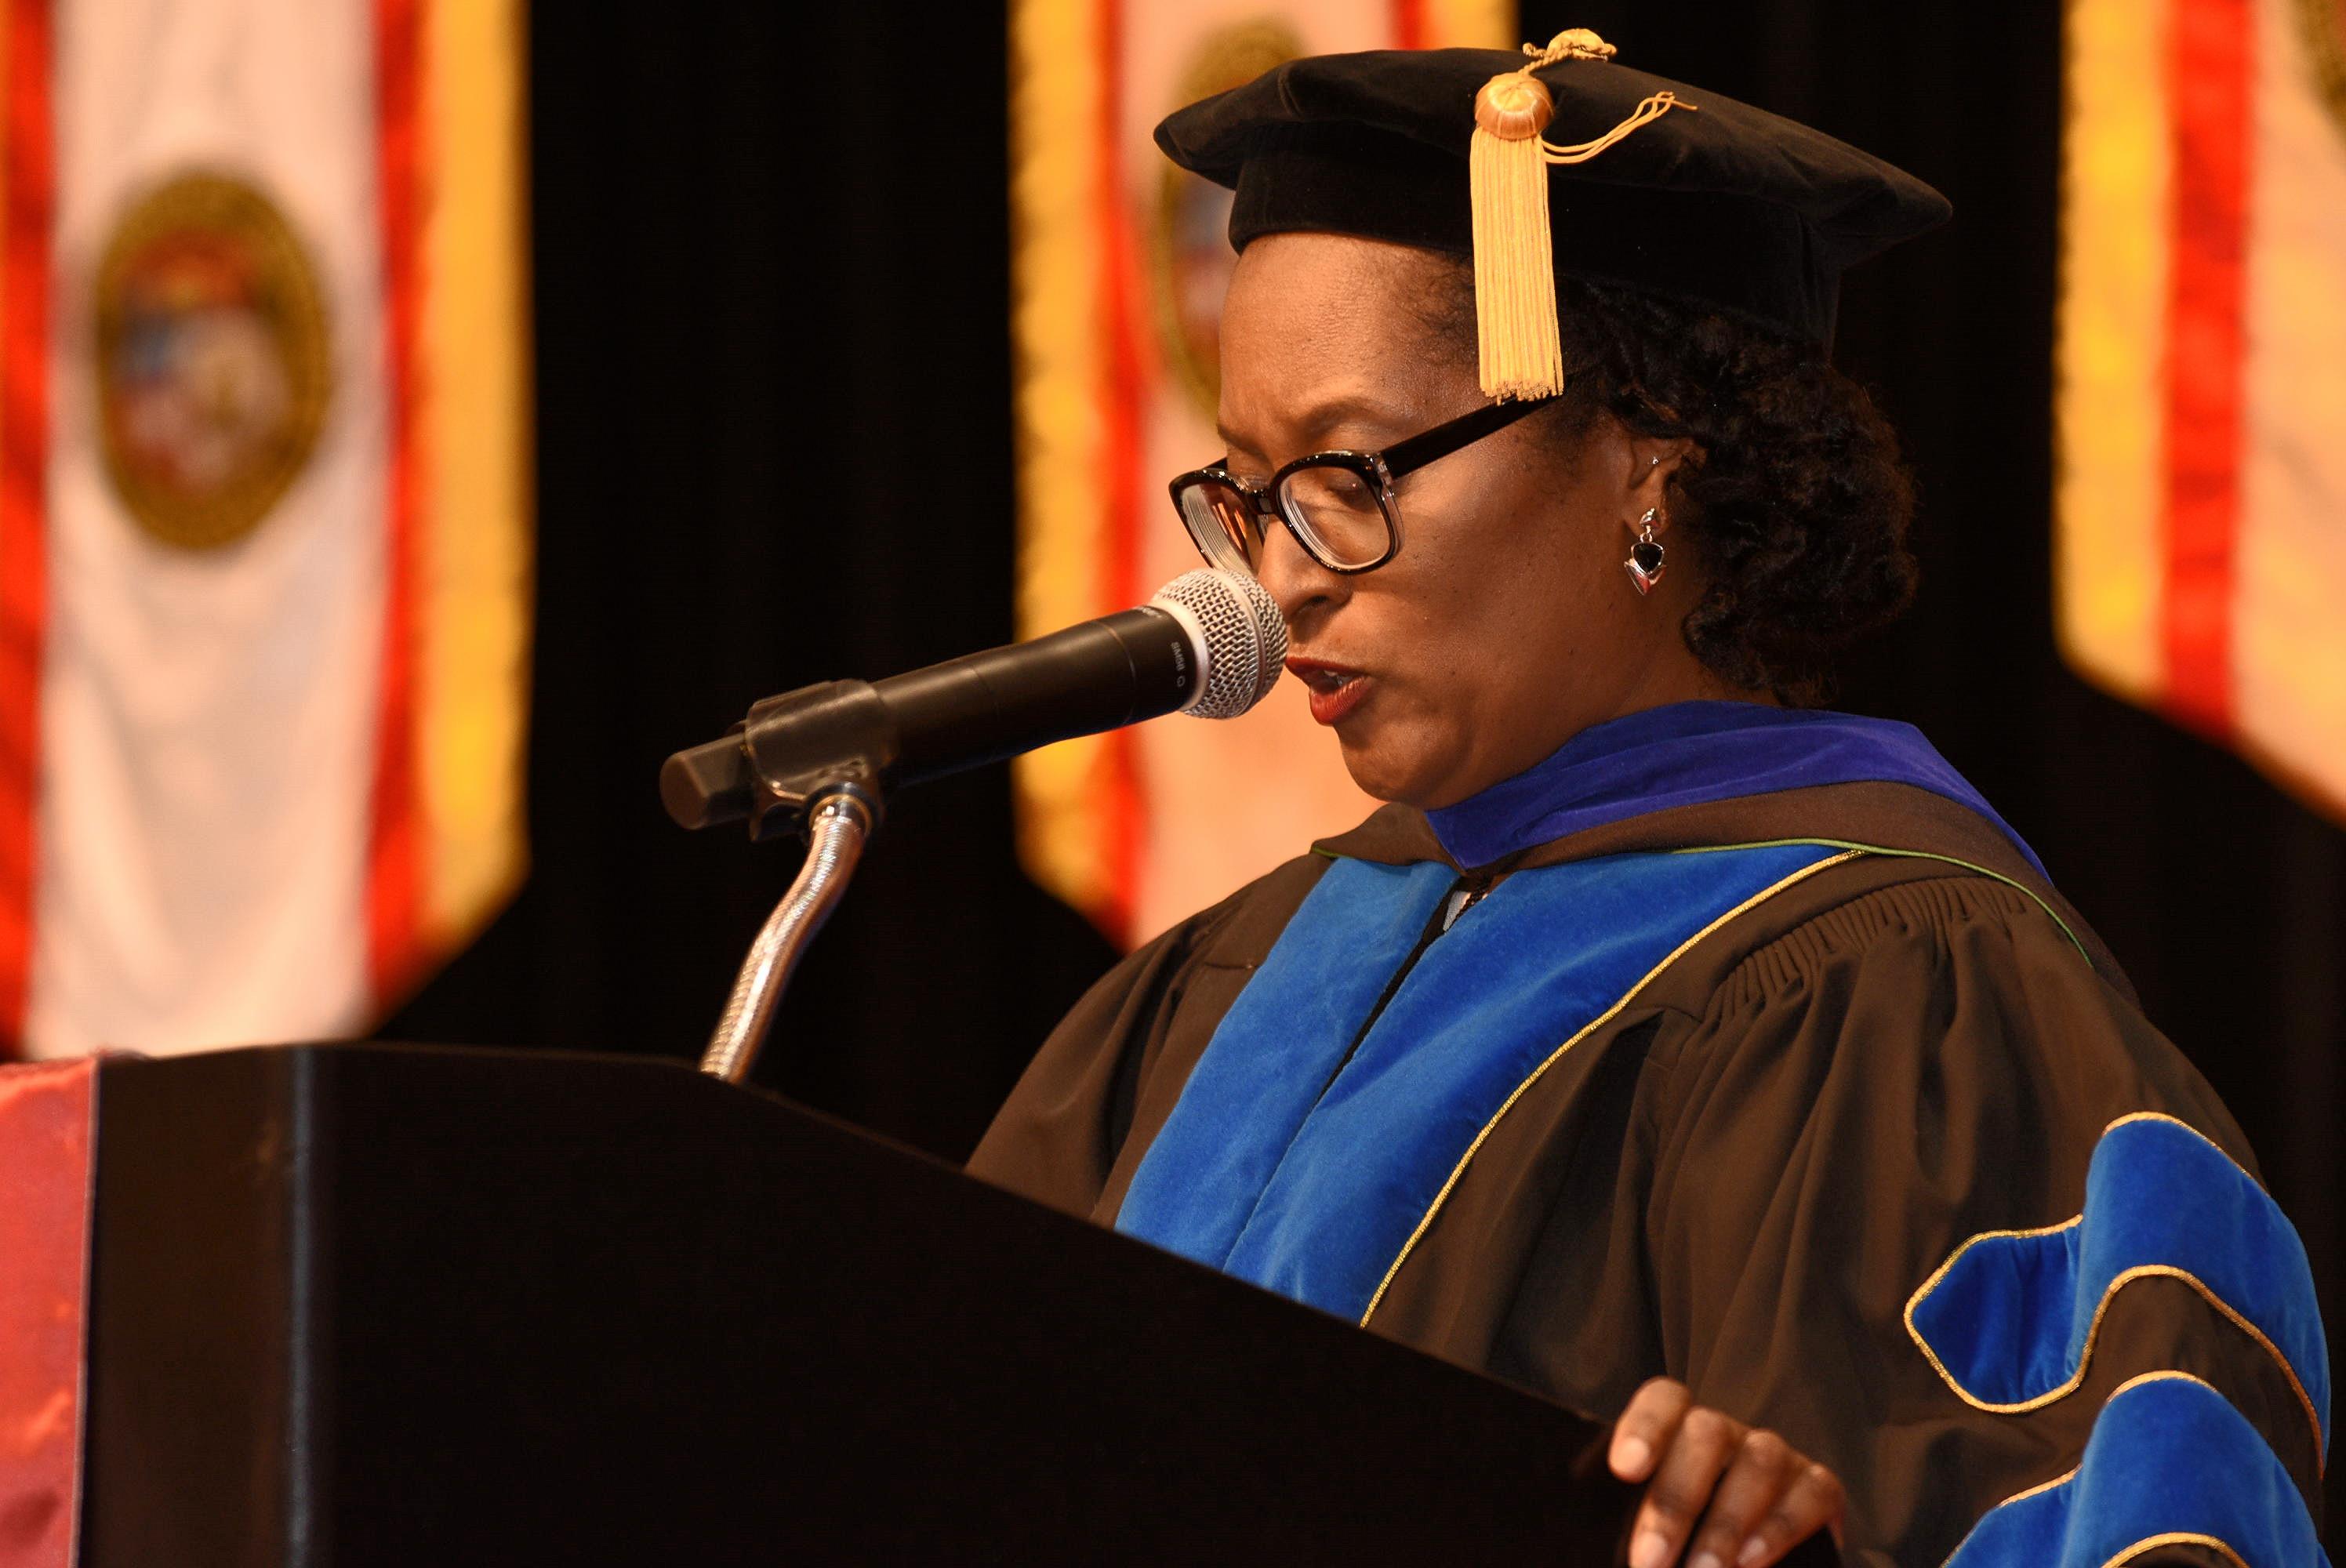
(46, 1172)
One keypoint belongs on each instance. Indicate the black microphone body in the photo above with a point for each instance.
(984, 706)
(963, 712)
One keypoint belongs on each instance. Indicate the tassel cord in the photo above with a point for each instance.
(1645, 113)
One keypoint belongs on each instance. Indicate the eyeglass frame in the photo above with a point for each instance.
(1382, 467)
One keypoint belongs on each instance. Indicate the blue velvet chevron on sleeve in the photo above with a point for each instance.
(2010, 1319)
(2010, 1322)
(2170, 1461)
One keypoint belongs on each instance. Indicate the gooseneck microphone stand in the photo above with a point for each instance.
(837, 830)
(810, 763)
(817, 762)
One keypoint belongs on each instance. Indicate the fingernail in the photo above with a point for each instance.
(1651, 1550)
(1753, 1551)
(1631, 1456)
(1705, 1560)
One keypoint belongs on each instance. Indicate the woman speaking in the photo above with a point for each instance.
(1669, 1046)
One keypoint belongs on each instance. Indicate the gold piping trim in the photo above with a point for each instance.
(1557, 1054)
(2165, 1375)
(2101, 1310)
(2178, 1122)
(1910, 855)
(2176, 1538)
(2064, 1478)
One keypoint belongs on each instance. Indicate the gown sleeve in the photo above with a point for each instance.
(1107, 1076)
(1931, 1199)
(1056, 1137)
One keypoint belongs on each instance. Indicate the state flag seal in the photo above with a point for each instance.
(213, 369)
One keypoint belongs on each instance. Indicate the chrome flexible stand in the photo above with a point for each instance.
(836, 833)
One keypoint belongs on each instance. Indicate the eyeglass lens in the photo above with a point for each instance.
(1341, 511)
(1224, 525)
(1336, 509)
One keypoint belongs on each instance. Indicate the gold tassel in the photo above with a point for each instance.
(1515, 257)
(1514, 271)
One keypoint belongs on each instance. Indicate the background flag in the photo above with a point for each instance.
(1119, 266)
(263, 509)
(2200, 550)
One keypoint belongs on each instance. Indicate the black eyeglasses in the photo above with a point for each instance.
(1338, 504)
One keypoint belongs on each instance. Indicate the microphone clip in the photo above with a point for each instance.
(832, 738)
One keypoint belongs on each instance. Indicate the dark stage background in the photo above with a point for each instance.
(775, 448)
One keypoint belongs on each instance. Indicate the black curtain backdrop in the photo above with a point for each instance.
(775, 447)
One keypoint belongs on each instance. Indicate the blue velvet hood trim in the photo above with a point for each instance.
(1307, 1164)
(1692, 754)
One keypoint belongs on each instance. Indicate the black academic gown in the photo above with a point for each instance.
(1749, 1175)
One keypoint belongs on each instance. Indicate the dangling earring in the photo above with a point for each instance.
(1645, 564)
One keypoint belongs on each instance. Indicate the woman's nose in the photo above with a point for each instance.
(1304, 590)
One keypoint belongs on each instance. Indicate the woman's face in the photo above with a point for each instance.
(1506, 625)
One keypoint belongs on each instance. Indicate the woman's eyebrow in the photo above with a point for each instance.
(1316, 420)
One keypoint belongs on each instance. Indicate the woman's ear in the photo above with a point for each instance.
(1652, 462)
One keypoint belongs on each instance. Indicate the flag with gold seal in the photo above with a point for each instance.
(264, 510)
(1119, 264)
(2201, 546)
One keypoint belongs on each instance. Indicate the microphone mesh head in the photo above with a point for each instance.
(1246, 639)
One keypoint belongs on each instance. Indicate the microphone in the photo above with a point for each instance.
(1208, 642)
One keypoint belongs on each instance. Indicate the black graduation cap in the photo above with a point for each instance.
(1674, 190)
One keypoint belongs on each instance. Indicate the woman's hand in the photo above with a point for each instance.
(1754, 1495)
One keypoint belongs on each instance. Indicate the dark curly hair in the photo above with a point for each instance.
(1797, 499)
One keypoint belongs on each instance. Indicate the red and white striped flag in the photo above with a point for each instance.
(1120, 265)
(263, 509)
(2201, 543)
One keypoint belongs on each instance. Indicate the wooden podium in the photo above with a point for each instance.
(362, 1305)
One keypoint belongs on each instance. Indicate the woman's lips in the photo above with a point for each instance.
(1335, 689)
